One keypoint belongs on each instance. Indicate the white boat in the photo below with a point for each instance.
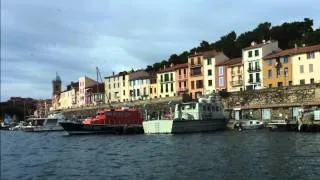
(204, 115)
(249, 125)
(50, 123)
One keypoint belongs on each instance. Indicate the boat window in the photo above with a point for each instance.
(194, 106)
(250, 122)
(208, 108)
(257, 122)
(213, 108)
(217, 108)
(204, 108)
(182, 107)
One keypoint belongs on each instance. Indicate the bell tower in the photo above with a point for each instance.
(56, 85)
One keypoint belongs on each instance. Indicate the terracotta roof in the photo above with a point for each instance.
(94, 88)
(140, 74)
(206, 54)
(258, 45)
(221, 63)
(173, 68)
(233, 61)
(118, 74)
(293, 51)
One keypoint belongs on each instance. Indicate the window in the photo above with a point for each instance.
(221, 81)
(209, 61)
(171, 76)
(167, 88)
(192, 61)
(179, 84)
(301, 68)
(257, 65)
(199, 60)
(250, 66)
(199, 84)
(138, 92)
(280, 84)
(220, 70)
(256, 52)
(310, 55)
(302, 81)
(250, 54)
(284, 59)
(185, 71)
(290, 83)
(250, 77)
(166, 77)
(209, 82)
(269, 62)
(209, 72)
(124, 92)
(171, 87)
(161, 78)
(179, 72)
(257, 77)
(278, 72)
(285, 71)
(311, 68)
(269, 74)
(270, 85)
(192, 84)
(161, 89)
(311, 81)
(150, 90)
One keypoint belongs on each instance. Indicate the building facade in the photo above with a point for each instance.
(139, 85)
(166, 82)
(181, 79)
(117, 87)
(234, 75)
(306, 65)
(95, 94)
(84, 82)
(252, 63)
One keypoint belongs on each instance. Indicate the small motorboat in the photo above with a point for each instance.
(248, 125)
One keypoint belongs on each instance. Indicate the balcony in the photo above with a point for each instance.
(236, 83)
(193, 65)
(182, 77)
(254, 82)
(195, 74)
(254, 69)
(182, 89)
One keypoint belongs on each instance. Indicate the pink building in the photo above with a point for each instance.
(181, 79)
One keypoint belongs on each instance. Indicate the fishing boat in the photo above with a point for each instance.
(248, 125)
(50, 123)
(202, 116)
(108, 121)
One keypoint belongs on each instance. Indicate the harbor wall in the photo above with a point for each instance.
(280, 102)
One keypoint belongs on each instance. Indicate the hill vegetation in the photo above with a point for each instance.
(287, 34)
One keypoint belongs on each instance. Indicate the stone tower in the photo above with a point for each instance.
(56, 85)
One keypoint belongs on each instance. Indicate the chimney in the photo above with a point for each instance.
(264, 41)
(164, 67)
(253, 43)
(195, 53)
(113, 73)
(303, 45)
(295, 46)
(171, 65)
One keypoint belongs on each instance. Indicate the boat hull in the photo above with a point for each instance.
(79, 128)
(182, 126)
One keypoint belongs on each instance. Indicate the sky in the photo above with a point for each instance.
(73, 37)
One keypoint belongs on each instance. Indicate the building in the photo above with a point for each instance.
(56, 90)
(305, 65)
(43, 107)
(212, 75)
(84, 82)
(95, 94)
(166, 79)
(277, 69)
(221, 75)
(252, 63)
(153, 93)
(234, 74)
(139, 85)
(65, 100)
(117, 87)
(195, 75)
(181, 79)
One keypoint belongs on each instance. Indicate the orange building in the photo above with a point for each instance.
(195, 77)
(277, 69)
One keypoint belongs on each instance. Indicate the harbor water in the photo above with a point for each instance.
(221, 155)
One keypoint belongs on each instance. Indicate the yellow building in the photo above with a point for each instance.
(166, 82)
(65, 100)
(306, 65)
(195, 67)
(234, 75)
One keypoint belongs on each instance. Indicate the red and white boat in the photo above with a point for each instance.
(108, 121)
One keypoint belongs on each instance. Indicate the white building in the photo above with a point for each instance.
(252, 63)
(139, 85)
(166, 82)
(210, 59)
(117, 87)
